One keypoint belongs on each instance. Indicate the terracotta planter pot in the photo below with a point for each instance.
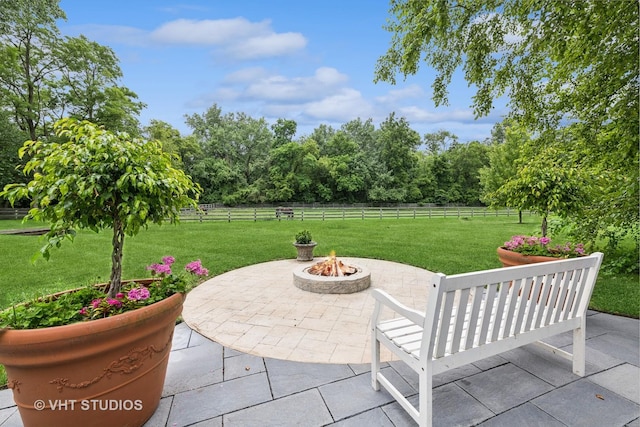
(305, 251)
(106, 372)
(510, 258)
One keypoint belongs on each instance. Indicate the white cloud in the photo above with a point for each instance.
(344, 106)
(410, 92)
(238, 37)
(280, 88)
(209, 31)
(245, 75)
(417, 114)
(268, 46)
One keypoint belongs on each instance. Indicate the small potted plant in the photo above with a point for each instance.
(304, 244)
(532, 249)
(91, 347)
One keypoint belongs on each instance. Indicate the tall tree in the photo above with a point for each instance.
(398, 144)
(561, 63)
(508, 139)
(44, 76)
(283, 131)
(437, 142)
(240, 141)
(11, 139)
(187, 150)
(466, 162)
(29, 60)
(345, 168)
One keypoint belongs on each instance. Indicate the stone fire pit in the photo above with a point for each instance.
(344, 278)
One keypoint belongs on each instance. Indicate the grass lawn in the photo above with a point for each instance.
(448, 245)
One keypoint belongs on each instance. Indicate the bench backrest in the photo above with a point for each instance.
(472, 309)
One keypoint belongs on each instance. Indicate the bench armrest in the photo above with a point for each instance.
(383, 298)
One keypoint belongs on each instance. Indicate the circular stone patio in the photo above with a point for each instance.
(258, 310)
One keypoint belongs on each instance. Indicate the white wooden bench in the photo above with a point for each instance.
(476, 315)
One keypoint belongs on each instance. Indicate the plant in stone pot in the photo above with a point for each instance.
(100, 353)
(304, 245)
(532, 249)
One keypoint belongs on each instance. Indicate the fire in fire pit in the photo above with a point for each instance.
(332, 276)
(332, 266)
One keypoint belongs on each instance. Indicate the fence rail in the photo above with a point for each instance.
(11, 213)
(323, 214)
(214, 213)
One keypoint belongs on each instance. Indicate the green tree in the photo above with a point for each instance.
(437, 142)
(466, 162)
(11, 139)
(29, 60)
(398, 144)
(186, 149)
(561, 64)
(508, 138)
(88, 87)
(95, 179)
(238, 140)
(320, 135)
(45, 77)
(346, 171)
(283, 131)
(293, 172)
(546, 183)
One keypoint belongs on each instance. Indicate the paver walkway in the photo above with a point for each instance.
(258, 310)
(209, 384)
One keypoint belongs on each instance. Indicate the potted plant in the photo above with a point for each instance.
(532, 249)
(102, 359)
(304, 244)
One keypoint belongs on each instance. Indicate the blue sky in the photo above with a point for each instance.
(309, 61)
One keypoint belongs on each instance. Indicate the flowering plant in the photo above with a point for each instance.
(542, 246)
(92, 303)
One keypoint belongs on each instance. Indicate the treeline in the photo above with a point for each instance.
(238, 159)
(566, 150)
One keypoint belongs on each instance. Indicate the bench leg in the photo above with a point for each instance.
(579, 349)
(425, 407)
(375, 360)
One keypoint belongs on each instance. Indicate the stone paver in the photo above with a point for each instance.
(258, 310)
(583, 403)
(623, 379)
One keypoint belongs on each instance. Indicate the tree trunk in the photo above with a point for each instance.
(115, 281)
(519, 217)
(544, 226)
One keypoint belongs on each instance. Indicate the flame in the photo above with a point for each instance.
(331, 267)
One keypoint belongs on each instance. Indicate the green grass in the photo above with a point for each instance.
(448, 245)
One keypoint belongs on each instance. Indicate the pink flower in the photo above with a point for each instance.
(195, 267)
(160, 269)
(168, 260)
(96, 303)
(533, 245)
(138, 294)
(83, 311)
(114, 302)
(119, 295)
